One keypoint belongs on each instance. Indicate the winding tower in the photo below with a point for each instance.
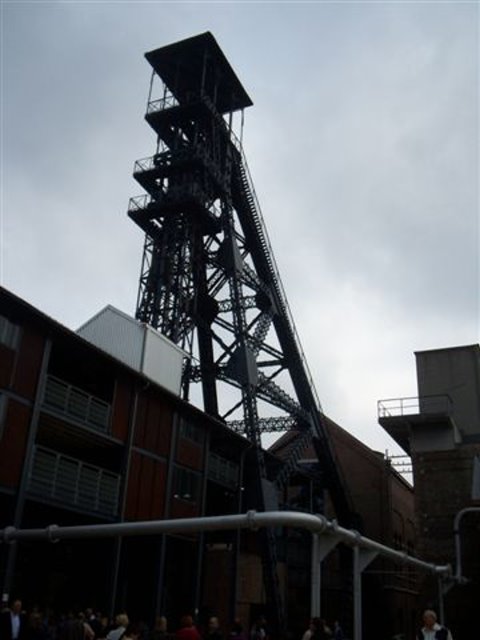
(209, 281)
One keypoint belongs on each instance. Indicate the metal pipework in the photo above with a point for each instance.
(250, 520)
(365, 550)
(354, 538)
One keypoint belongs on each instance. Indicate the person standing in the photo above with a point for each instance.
(237, 632)
(213, 630)
(309, 632)
(431, 630)
(160, 629)
(337, 631)
(259, 629)
(36, 629)
(121, 624)
(13, 622)
(320, 630)
(187, 630)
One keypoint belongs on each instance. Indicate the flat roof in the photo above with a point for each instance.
(18, 307)
(464, 347)
(180, 65)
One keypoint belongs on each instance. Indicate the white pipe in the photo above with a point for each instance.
(250, 520)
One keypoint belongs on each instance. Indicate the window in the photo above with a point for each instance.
(3, 413)
(223, 471)
(9, 333)
(398, 530)
(190, 431)
(186, 485)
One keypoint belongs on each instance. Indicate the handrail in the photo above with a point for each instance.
(71, 401)
(275, 271)
(411, 405)
(49, 478)
(143, 201)
(170, 101)
(167, 102)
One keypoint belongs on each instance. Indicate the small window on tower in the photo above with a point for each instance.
(9, 333)
(186, 485)
(191, 431)
(3, 413)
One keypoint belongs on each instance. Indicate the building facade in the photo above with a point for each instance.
(440, 430)
(90, 432)
(87, 439)
(383, 502)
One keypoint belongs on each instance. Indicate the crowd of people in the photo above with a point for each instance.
(16, 624)
(319, 629)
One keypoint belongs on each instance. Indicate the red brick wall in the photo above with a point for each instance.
(153, 425)
(7, 362)
(122, 406)
(146, 488)
(29, 360)
(189, 454)
(183, 509)
(12, 449)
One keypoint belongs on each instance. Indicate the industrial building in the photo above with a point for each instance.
(440, 430)
(96, 425)
(87, 436)
(383, 501)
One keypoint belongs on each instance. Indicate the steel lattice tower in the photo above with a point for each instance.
(209, 280)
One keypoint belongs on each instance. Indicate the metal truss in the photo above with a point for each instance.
(209, 280)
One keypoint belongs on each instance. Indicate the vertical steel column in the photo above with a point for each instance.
(315, 591)
(357, 595)
(321, 547)
(361, 559)
(27, 465)
(201, 535)
(237, 540)
(160, 601)
(441, 609)
(126, 469)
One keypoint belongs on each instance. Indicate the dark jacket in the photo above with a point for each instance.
(6, 626)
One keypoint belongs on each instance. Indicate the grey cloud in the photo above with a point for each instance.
(362, 146)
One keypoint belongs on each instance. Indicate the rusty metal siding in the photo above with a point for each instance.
(12, 449)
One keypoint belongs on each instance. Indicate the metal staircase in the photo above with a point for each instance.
(209, 279)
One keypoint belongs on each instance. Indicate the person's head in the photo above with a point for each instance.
(36, 621)
(121, 620)
(213, 623)
(316, 624)
(186, 621)
(161, 623)
(16, 606)
(429, 618)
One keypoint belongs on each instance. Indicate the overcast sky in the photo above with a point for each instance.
(362, 144)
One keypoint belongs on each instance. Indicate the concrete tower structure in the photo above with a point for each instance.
(440, 431)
